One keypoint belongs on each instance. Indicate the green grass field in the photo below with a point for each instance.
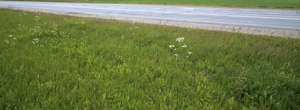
(67, 63)
(285, 4)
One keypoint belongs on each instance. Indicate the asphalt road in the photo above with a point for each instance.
(262, 18)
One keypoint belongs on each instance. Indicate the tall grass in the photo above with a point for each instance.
(59, 62)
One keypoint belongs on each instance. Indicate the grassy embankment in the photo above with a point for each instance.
(59, 62)
(284, 4)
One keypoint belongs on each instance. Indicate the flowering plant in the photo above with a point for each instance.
(179, 49)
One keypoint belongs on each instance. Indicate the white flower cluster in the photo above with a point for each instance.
(180, 39)
(179, 47)
(171, 46)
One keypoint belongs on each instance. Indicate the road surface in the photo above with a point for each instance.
(274, 22)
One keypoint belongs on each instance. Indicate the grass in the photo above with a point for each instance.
(59, 62)
(283, 4)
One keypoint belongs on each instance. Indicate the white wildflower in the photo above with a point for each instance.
(176, 54)
(180, 39)
(189, 52)
(184, 46)
(174, 48)
(171, 46)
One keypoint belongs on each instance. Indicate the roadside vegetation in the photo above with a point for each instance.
(284, 4)
(59, 62)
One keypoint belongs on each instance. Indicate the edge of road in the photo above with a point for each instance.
(275, 32)
(169, 4)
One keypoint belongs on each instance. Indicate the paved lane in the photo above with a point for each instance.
(287, 20)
